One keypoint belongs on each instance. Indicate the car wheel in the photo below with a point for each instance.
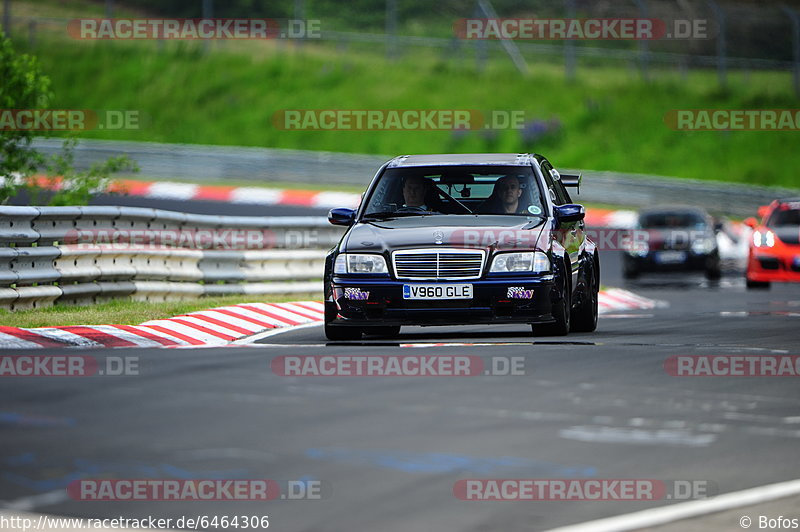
(561, 311)
(337, 332)
(751, 285)
(629, 270)
(584, 319)
(713, 273)
(389, 331)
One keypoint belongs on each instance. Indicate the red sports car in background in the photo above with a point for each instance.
(775, 247)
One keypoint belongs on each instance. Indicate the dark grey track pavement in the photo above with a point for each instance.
(390, 449)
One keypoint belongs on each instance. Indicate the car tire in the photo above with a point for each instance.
(561, 311)
(338, 332)
(714, 273)
(389, 331)
(629, 270)
(757, 285)
(584, 317)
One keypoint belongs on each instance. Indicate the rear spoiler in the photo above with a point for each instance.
(572, 180)
(568, 180)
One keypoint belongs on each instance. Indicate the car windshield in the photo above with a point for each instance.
(438, 190)
(785, 216)
(672, 220)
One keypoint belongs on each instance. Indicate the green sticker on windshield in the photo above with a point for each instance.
(533, 209)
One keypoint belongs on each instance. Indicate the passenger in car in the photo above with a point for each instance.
(505, 198)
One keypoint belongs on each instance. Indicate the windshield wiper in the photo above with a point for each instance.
(393, 214)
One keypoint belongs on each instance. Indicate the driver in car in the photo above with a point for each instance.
(416, 190)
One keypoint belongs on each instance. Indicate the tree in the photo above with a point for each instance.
(24, 86)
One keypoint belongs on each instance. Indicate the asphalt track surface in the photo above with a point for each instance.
(389, 450)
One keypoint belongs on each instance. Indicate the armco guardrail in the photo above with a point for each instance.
(82, 255)
(199, 163)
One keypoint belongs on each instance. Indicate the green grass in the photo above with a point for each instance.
(611, 119)
(128, 312)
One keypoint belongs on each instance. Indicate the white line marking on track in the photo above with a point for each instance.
(677, 512)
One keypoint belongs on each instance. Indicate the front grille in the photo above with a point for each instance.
(438, 264)
(769, 263)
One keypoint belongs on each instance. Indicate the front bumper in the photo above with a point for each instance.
(490, 304)
(766, 267)
(692, 262)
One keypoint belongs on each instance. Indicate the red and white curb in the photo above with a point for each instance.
(223, 325)
(213, 327)
(301, 198)
(229, 194)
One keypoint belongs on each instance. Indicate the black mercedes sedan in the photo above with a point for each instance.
(462, 239)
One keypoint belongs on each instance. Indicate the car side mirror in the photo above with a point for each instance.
(342, 216)
(751, 222)
(571, 212)
(718, 226)
(763, 210)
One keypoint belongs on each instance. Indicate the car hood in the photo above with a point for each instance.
(453, 231)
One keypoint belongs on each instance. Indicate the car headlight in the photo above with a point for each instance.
(766, 239)
(703, 245)
(521, 262)
(638, 248)
(360, 263)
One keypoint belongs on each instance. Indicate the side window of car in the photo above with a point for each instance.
(554, 188)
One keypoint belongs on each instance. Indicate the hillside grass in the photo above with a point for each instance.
(611, 119)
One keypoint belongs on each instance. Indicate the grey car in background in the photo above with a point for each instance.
(674, 238)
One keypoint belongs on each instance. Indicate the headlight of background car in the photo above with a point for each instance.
(703, 245)
(638, 248)
(766, 240)
(521, 262)
(357, 263)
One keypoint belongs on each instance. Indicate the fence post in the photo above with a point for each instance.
(109, 8)
(208, 12)
(32, 33)
(299, 14)
(644, 46)
(7, 17)
(569, 45)
(391, 29)
(722, 65)
(795, 18)
(481, 47)
(510, 47)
